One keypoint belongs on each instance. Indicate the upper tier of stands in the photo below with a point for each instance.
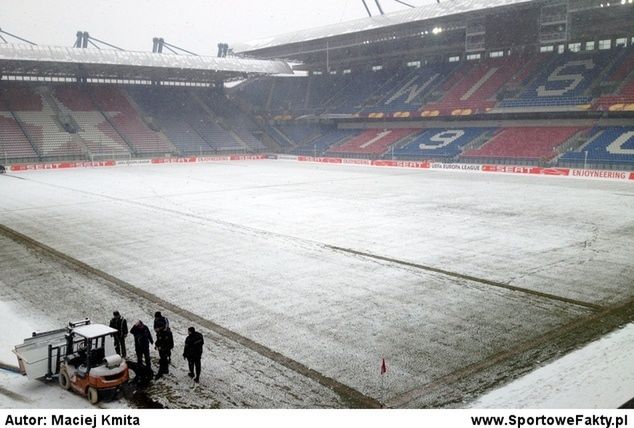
(523, 83)
(622, 80)
(563, 81)
(479, 84)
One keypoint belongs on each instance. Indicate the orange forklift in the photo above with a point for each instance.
(81, 356)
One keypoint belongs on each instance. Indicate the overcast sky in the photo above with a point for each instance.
(196, 25)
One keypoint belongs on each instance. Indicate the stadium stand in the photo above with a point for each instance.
(408, 92)
(354, 90)
(35, 112)
(116, 107)
(256, 92)
(622, 80)
(287, 94)
(299, 134)
(563, 81)
(607, 147)
(323, 141)
(371, 143)
(167, 114)
(524, 143)
(439, 143)
(96, 132)
(237, 122)
(476, 90)
(13, 143)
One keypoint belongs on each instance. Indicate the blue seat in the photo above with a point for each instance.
(613, 145)
(440, 142)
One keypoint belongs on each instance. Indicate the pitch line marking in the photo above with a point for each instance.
(468, 277)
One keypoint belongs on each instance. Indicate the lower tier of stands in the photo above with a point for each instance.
(606, 146)
(372, 142)
(534, 143)
(439, 143)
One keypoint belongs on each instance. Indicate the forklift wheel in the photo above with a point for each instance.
(93, 395)
(64, 380)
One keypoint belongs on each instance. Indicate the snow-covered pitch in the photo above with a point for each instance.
(461, 282)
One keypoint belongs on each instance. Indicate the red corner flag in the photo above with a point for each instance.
(383, 366)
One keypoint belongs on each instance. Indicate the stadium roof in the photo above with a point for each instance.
(56, 61)
(421, 13)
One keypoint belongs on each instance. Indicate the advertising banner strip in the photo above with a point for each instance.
(527, 170)
(190, 159)
(110, 163)
(401, 164)
(59, 165)
(503, 169)
(134, 162)
(462, 167)
(602, 174)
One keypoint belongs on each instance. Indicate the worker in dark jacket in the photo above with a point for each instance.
(121, 325)
(193, 352)
(164, 345)
(160, 322)
(142, 340)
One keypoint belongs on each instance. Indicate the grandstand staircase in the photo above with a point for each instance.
(403, 142)
(535, 74)
(399, 143)
(379, 94)
(269, 99)
(327, 104)
(243, 108)
(125, 139)
(625, 83)
(218, 120)
(574, 143)
(309, 88)
(64, 117)
(598, 83)
(283, 136)
(54, 133)
(20, 124)
(480, 141)
(581, 148)
(437, 90)
(148, 121)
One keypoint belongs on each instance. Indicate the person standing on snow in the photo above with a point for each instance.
(121, 325)
(164, 345)
(193, 352)
(160, 322)
(142, 340)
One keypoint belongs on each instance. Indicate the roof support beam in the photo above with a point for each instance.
(15, 37)
(367, 9)
(403, 3)
(379, 6)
